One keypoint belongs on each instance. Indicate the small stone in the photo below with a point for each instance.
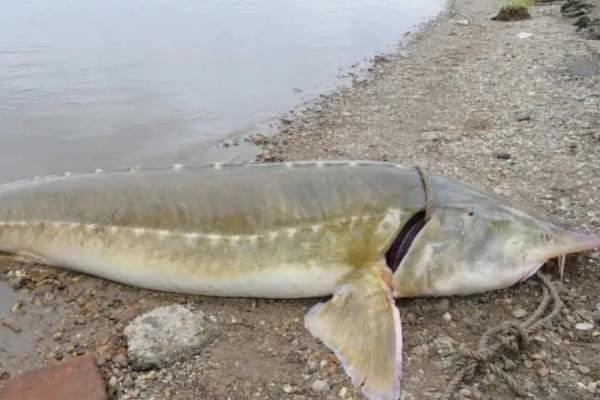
(312, 365)
(583, 370)
(128, 381)
(287, 388)
(444, 346)
(584, 326)
(523, 117)
(11, 323)
(17, 282)
(465, 393)
(120, 360)
(410, 317)
(519, 313)
(540, 368)
(343, 392)
(543, 372)
(320, 386)
(444, 304)
(510, 365)
(447, 317)
(538, 364)
(100, 361)
(57, 335)
(503, 156)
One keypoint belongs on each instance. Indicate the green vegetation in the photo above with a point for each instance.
(514, 10)
(519, 3)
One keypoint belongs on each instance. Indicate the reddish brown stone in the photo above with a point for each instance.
(75, 379)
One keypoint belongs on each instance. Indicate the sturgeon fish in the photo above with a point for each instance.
(354, 230)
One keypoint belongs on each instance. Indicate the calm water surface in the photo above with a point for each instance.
(88, 84)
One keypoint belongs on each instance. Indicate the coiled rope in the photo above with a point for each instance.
(503, 336)
(506, 335)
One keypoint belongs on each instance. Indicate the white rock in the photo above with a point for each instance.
(167, 334)
(320, 387)
(583, 326)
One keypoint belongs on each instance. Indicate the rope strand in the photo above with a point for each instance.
(507, 333)
(428, 188)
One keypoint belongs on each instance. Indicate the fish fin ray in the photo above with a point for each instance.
(361, 324)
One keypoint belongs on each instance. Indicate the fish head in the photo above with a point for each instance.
(476, 242)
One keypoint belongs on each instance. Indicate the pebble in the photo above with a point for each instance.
(444, 346)
(343, 392)
(584, 326)
(120, 360)
(287, 388)
(523, 117)
(17, 282)
(519, 313)
(447, 317)
(543, 372)
(503, 156)
(583, 370)
(100, 361)
(540, 368)
(444, 304)
(320, 386)
(312, 365)
(465, 392)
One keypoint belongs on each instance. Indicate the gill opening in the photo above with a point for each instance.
(404, 240)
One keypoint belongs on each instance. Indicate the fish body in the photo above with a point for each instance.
(286, 230)
(355, 230)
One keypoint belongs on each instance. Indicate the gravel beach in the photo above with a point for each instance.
(512, 107)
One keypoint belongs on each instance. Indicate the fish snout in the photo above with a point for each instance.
(564, 241)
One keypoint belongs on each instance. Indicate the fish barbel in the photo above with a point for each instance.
(355, 230)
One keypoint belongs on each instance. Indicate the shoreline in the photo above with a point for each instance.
(463, 78)
(512, 107)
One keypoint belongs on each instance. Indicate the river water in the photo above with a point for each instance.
(88, 84)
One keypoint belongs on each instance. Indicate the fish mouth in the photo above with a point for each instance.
(404, 240)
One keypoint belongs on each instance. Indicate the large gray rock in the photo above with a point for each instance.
(167, 334)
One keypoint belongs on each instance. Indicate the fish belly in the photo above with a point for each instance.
(275, 266)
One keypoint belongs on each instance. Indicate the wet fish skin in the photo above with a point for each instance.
(287, 230)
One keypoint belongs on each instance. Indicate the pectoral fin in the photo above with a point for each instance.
(361, 324)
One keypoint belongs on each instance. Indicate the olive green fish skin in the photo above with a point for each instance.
(281, 230)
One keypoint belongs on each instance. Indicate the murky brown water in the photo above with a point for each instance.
(88, 84)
